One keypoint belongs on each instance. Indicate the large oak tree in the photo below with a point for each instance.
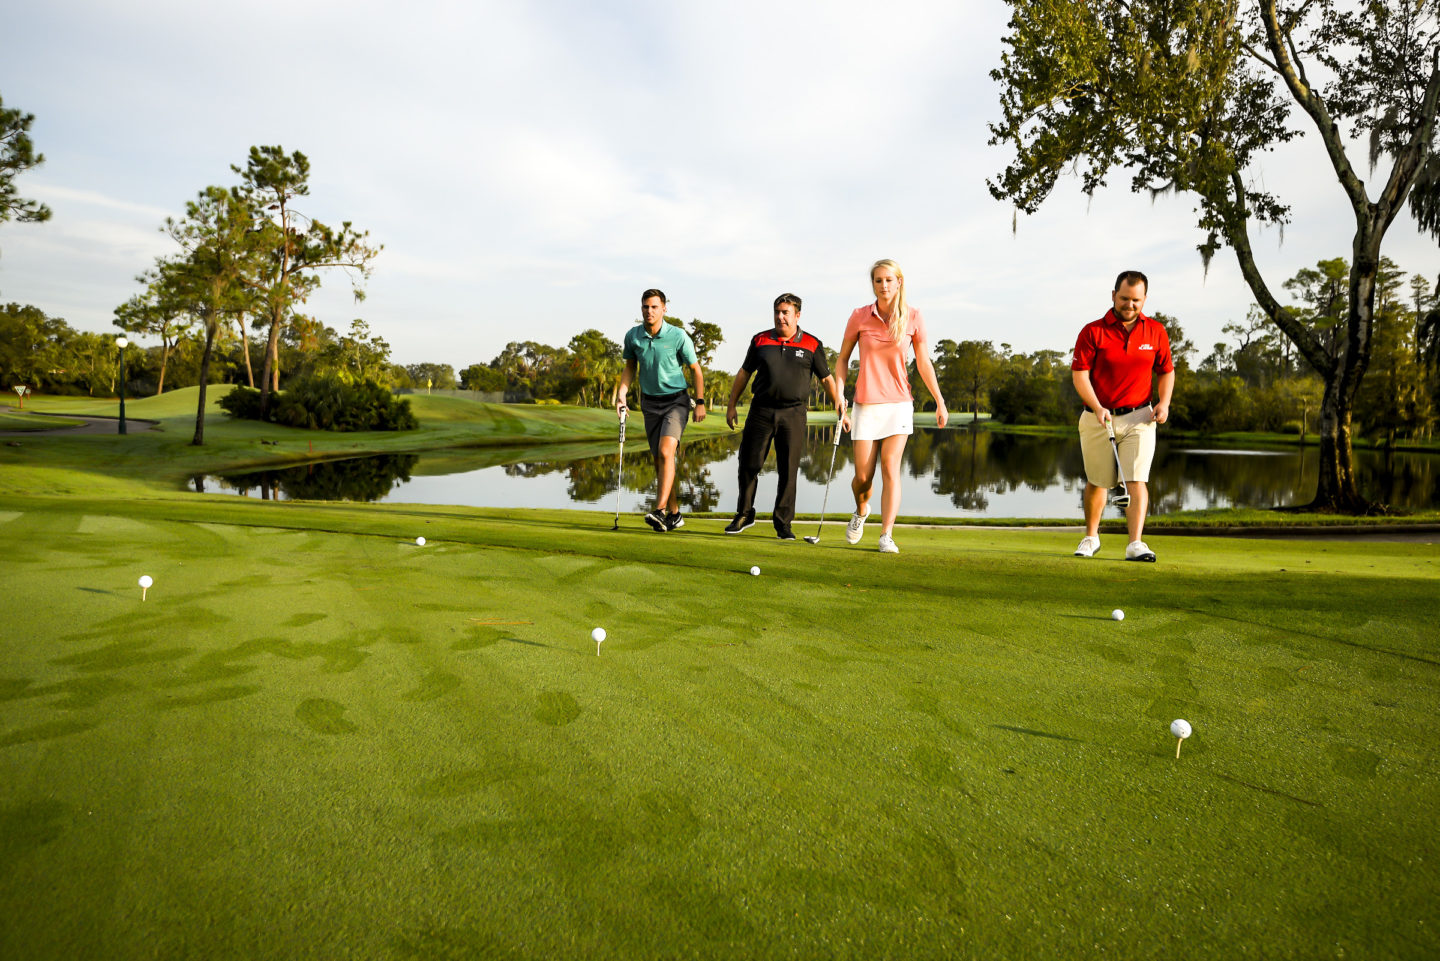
(1188, 94)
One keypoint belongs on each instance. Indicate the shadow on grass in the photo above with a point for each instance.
(1034, 733)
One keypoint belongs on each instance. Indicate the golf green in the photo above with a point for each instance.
(316, 739)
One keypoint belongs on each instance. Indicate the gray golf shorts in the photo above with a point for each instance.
(665, 416)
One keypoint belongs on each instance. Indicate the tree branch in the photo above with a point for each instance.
(1315, 107)
(1235, 221)
(1258, 56)
(1410, 159)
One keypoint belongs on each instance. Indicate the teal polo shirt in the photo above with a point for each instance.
(660, 360)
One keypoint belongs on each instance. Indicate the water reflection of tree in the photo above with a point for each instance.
(593, 478)
(1277, 479)
(355, 479)
(970, 467)
(972, 464)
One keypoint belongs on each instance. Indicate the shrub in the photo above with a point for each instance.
(242, 403)
(327, 402)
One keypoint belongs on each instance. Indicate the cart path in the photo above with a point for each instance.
(89, 425)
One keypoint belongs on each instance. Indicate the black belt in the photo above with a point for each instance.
(1120, 411)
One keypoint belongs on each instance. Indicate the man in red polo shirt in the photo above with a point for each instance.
(1116, 358)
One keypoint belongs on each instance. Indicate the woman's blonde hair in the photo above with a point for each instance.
(899, 323)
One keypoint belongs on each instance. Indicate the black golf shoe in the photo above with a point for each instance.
(741, 521)
(674, 521)
(785, 533)
(656, 519)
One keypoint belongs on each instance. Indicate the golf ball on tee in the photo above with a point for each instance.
(1117, 614)
(1180, 728)
(146, 580)
(420, 541)
(755, 571)
(597, 635)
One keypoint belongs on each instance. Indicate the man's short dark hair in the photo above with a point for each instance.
(1132, 277)
(788, 299)
(652, 292)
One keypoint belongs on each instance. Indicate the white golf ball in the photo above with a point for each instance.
(1180, 728)
(146, 580)
(1117, 614)
(420, 541)
(597, 635)
(755, 571)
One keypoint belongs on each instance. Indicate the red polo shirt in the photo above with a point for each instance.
(1121, 362)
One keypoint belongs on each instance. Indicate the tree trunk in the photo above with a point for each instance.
(270, 374)
(245, 349)
(210, 329)
(1335, 490)
(164, 359)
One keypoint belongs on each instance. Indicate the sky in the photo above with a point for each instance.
(531, 167)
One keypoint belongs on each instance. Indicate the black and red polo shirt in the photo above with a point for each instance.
(781, 369)
(1122, 362)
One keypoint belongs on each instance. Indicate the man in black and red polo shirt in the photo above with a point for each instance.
(1116, 358)
(782, 362)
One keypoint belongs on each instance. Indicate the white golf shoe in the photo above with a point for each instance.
(1089, 545)
(855, 528)
(1137, 551)
(887, 545)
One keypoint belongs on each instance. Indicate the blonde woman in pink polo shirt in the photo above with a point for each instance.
(882, 418)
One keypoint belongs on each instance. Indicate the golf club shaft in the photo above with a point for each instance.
(619, 471)
(1119, 468)
(825, 501)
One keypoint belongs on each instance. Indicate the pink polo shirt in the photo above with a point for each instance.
(883, 378)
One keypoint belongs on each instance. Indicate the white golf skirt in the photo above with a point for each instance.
(877, 421)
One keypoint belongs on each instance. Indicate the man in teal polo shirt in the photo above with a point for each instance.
(660, 352)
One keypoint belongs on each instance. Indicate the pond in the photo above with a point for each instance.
(946, 473)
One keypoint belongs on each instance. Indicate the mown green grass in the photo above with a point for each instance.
(315, 739)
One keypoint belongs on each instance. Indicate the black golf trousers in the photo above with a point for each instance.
(785, 427)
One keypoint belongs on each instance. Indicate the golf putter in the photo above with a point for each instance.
(826, 501)
(1121, 500)
(620, 468)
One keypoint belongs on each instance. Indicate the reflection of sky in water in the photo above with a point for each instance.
(1007, 482)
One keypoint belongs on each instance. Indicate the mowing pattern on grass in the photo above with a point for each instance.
(316, 739)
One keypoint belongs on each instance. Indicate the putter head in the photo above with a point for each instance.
(813, 540)
(1121, 500)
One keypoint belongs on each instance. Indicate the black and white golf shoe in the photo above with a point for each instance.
(1137, 551)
